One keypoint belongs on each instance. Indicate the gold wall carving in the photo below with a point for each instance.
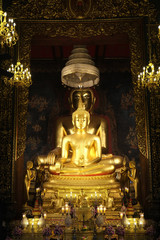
(154, 107)
(6, 133)
(22, 119)
(61, 9)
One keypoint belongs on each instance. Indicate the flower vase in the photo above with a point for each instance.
(109, 237)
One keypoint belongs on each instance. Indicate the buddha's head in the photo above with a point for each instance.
(86, 95)
(80, 117)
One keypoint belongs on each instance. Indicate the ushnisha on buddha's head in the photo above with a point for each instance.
(80, 117)
(85, 94)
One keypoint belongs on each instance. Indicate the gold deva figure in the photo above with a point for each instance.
(98, 125)
(132, 174)
(30, 175)
(85, 150)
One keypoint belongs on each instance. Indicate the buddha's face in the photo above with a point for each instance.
(85, 96)
(81, 121)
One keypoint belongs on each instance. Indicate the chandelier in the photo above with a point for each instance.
(150, 77)
(21, 76)
(8, 34)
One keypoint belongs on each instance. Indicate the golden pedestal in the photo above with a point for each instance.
(82, 191)
(94, 188)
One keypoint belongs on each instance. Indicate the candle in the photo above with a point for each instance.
(101, 208)
(95, 195)
(126, 189)
(121, 215)
(66, 209)
(45, 215)
(135, 224)
(37, 190)
(128, 224)
(62, 210)
(97, 209)
(141, 215)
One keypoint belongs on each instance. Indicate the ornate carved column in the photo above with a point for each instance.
(154, 132)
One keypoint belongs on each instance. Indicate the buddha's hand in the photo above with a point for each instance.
(46, 160)
(41, 160)
(53, 155)
(51, 158)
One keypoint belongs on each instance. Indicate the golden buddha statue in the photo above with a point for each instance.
(97, 126)
(78, 162)
(81, 151)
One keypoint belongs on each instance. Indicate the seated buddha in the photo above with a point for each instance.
(97, 126)
(81, 151)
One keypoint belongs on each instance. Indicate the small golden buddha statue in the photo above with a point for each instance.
(85, 149)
